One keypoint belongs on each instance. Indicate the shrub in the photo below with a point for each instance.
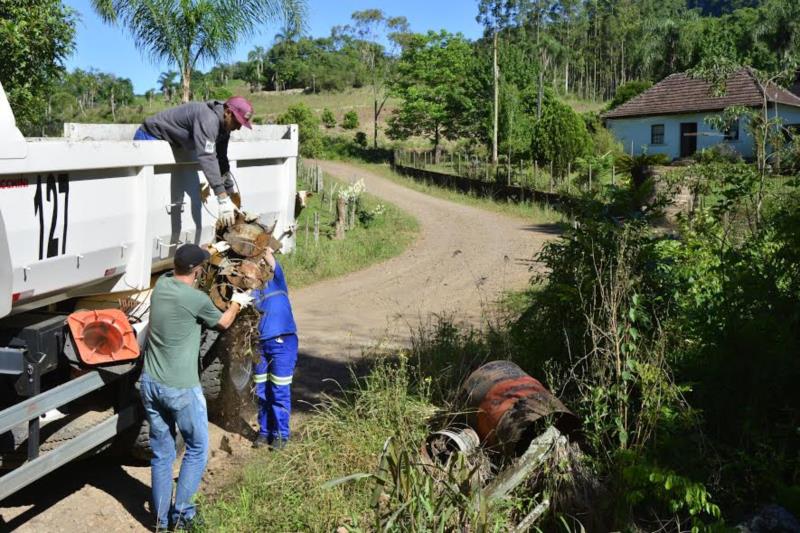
(328, 120)
(629, 91)
(361, 139)
(350, 120)
(310, 137)
(719, 153)
(560, 136)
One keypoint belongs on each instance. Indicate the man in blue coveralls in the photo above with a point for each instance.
(273, 373)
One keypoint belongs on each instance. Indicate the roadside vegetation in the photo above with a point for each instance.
(381, 231)
(679, 355)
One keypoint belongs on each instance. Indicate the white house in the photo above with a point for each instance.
(670, 117)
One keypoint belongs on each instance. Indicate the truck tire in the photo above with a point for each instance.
(140, 449)
(52, 436)
(212, 379)
(73, 428)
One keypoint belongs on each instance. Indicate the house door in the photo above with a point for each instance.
(688, 138)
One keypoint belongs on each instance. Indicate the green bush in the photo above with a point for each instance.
(559, 136)
(628, 91)
(308, 123)
(350, 120)
(361, 139)
(328, 120)
(719, 153)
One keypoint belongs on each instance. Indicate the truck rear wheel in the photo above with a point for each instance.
(140, 447)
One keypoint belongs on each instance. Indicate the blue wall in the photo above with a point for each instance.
(634, 132)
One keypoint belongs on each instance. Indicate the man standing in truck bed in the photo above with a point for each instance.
(204, 128)
(170, 382)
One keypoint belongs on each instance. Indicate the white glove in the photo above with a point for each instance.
(221, 247)
(242, 298)
(226, 215)
(249, 217)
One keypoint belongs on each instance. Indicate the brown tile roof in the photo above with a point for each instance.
(679, 93)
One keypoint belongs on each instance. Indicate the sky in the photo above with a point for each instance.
(110, 49)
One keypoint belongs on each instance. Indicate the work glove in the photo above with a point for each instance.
(249, 217)
(226, 215)
(242, 298)
(221, 247)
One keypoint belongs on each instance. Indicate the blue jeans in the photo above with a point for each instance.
(273, 380)
(168, 407)
(142, 135)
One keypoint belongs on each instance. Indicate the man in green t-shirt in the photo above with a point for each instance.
(170, 383)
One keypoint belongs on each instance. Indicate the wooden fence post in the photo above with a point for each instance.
(341, 214)
(613, 174)
(351, 223)
(316, 228)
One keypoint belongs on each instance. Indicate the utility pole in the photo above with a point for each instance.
(496, 76)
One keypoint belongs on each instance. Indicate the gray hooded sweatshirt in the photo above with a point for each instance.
(197, 127)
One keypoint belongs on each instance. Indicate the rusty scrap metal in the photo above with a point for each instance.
(440, 446)
(505, 406)
(244, 265)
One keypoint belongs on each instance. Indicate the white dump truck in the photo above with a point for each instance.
(87, 222)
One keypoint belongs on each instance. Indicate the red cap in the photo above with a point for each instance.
(242, 109)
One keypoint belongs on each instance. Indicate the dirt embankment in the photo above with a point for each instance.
(463, 259)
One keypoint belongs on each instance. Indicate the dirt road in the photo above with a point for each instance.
(462, 260)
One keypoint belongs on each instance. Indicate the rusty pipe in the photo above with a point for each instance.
(504, 405)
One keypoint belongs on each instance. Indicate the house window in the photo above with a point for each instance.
(732, 133)
(657, 134)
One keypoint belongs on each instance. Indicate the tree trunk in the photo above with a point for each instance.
(186, 82)
(113, 107)
(436, 153)
(375, 114)
(496, 76)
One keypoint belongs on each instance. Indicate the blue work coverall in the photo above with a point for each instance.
(273, 373)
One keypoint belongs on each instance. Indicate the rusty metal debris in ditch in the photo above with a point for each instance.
(508, 407)
(441, 445)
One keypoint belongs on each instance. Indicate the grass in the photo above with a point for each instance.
(530, 211)
(285, 491)
(375, 239)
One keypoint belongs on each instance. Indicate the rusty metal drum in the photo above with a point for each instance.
(506, 406)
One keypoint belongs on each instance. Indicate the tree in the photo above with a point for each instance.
(559, 136)
(369, 28)
(256, 57)
(166, 82)
(36, 36)
(350, 120)
(628, 91)
(430, 83)
(308, 124)
(328, 120)
(185, 32)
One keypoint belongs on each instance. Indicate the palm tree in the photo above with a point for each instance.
(183, 32)
(166, 82)
(256, 56)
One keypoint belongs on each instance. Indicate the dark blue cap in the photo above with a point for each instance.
(189, 256)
